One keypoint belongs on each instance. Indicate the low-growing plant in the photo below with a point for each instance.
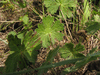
(24, 45)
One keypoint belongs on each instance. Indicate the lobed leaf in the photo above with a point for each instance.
(68, 50)
(48, 31)
(84, 61)
(11, 62)
(14, 43)
(52, 6)
(23, 52)
(63, 5)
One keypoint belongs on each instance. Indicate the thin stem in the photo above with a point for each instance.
(34, 10)
(43, 8)
(10, 21)
(4, 41)
(66, 33)
(67, 26)
(37, 13)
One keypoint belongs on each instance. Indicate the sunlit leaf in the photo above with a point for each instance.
(47, 31)
(87, 12)
(25, 19)
(97, 18)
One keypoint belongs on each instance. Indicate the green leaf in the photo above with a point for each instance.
(22, 51)
(49, 60)
(56, 35)
(19, 72)
(93, 27)
(12, 32)
(83, 62)
(14, 43)
(79, 55)
(47, 31)
(52, 6)
(52, 54)
(79, 47)
(64, 6)
(44, 70)
(25, 19)
(22, 63)
(28, 57)
(70, 61)
(87, 12)
(67, 50)
(11, 62)
(91, 51)
(57, 26)
(22, 5)
(2, 68)
(14, 58)
(20, 36)
(97, 54)
(97, 18)
(27, 37)
(31, 47)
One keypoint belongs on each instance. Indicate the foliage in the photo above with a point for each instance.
(68, 51)
(64, 5)
(92, 27)
(49, 60)
(91, 56)
(87, 12)
(20, 3)
(22, 51)
(47, 31)
(24, 45)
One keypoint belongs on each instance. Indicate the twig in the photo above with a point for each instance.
(66, 33)
(3, 41)
(10, 21)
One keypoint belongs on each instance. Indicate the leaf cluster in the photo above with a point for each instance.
(63, 5)
(22, 54)
(68, 50)
(48, 31)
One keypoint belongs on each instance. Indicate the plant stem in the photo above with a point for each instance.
(43, 8)
(37, 13)
(4, 41)
(10, 21)
(66, 34)
(67, 26)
